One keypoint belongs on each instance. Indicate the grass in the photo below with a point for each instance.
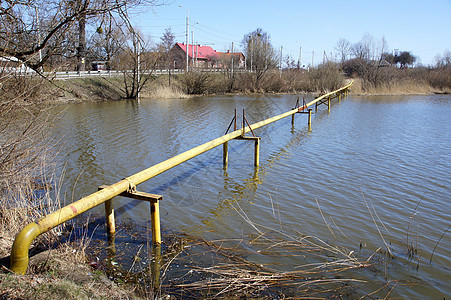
(193, 268)
(164, 92)
(59, 275)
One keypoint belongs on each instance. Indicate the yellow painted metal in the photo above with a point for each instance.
(22, 243)
(256, 139)
(155, 220)
(155, 266)
(225, 153)
(257, 152)
(109, 214)
(309, 117)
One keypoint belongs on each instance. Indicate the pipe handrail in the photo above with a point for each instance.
(23, 241)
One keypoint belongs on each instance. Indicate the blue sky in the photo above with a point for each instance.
(422, 27)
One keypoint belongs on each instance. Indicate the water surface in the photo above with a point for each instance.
(372, 171)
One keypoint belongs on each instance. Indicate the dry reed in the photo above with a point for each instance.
(165, 92)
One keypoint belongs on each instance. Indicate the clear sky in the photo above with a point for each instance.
(422, 27)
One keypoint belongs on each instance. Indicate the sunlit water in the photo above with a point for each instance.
(368, 172)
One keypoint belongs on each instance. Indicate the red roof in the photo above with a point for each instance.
(202, 52)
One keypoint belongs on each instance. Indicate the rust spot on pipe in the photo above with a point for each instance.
(74, 209)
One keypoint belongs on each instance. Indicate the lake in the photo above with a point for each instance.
(374, 172)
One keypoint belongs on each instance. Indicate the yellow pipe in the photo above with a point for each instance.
(22, 243)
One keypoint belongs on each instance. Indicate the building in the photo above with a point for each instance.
(199, 56)
(10, 64)
(226, 60)
(99, 65)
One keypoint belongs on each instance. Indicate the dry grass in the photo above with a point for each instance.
(395, 87)
(61, 274)
(192, 268)
(235, 276)
(164, 92)
(27, 186)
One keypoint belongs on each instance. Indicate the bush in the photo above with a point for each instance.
(25, 173)
(326, 78)
(195, 83)
(440, 78)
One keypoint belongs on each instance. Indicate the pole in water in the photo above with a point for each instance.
(155, 220)
(109, 214)
(257, 152)
(225, 153)
(155, 266)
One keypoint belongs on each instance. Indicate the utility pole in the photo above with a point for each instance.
(232, 61)
(300, 57)
(197, 53)
(187, 30)
(187, 33)
(192, 47)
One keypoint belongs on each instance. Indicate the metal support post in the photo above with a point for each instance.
(225, 153)
(109, 214)
(155, 265)
(309, 117)
(155, 220)
(257, 152)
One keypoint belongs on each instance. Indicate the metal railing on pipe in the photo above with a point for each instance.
(127, 186)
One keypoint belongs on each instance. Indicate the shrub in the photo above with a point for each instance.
(440, 78)
(195, 83)
(326, 78)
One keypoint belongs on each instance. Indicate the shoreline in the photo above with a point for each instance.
(100, 89)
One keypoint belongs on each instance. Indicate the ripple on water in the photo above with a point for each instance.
(368, 155)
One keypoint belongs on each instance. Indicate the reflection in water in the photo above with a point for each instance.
(390, 151)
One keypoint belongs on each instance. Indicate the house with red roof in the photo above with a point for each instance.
(198, 56)
(225, 59)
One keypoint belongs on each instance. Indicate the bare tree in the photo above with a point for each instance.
(136, 62)
(107, 43)
(443, 60)
(21, 36)
(343, 47)
(260, 54)
(369, 61)
(164, 48)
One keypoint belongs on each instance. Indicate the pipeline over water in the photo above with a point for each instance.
(127, 187)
